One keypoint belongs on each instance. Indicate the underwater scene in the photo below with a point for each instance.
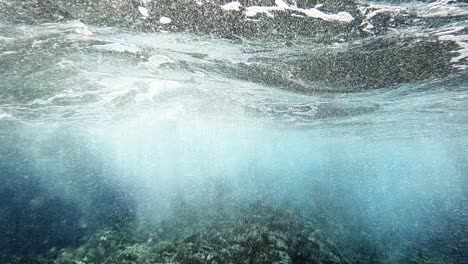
(237, 132)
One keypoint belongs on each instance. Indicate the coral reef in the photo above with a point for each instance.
(257, 233)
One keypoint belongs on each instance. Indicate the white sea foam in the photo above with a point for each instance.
(281, 3)
(143, 11)
(281, 6)
(462, 42)
(233, 6)
(165, 20)
(315, 13)
(9, 52)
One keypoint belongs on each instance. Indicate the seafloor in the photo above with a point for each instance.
(254, 233)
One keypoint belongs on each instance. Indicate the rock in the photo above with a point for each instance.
(255, 234)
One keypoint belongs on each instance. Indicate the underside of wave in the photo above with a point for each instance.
(326, 21)
(369, 45)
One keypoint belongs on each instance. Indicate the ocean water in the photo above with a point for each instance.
(366, 137)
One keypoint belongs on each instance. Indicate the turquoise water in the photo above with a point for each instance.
(99, 128)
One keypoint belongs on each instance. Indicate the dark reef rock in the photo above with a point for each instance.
(255, 234)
